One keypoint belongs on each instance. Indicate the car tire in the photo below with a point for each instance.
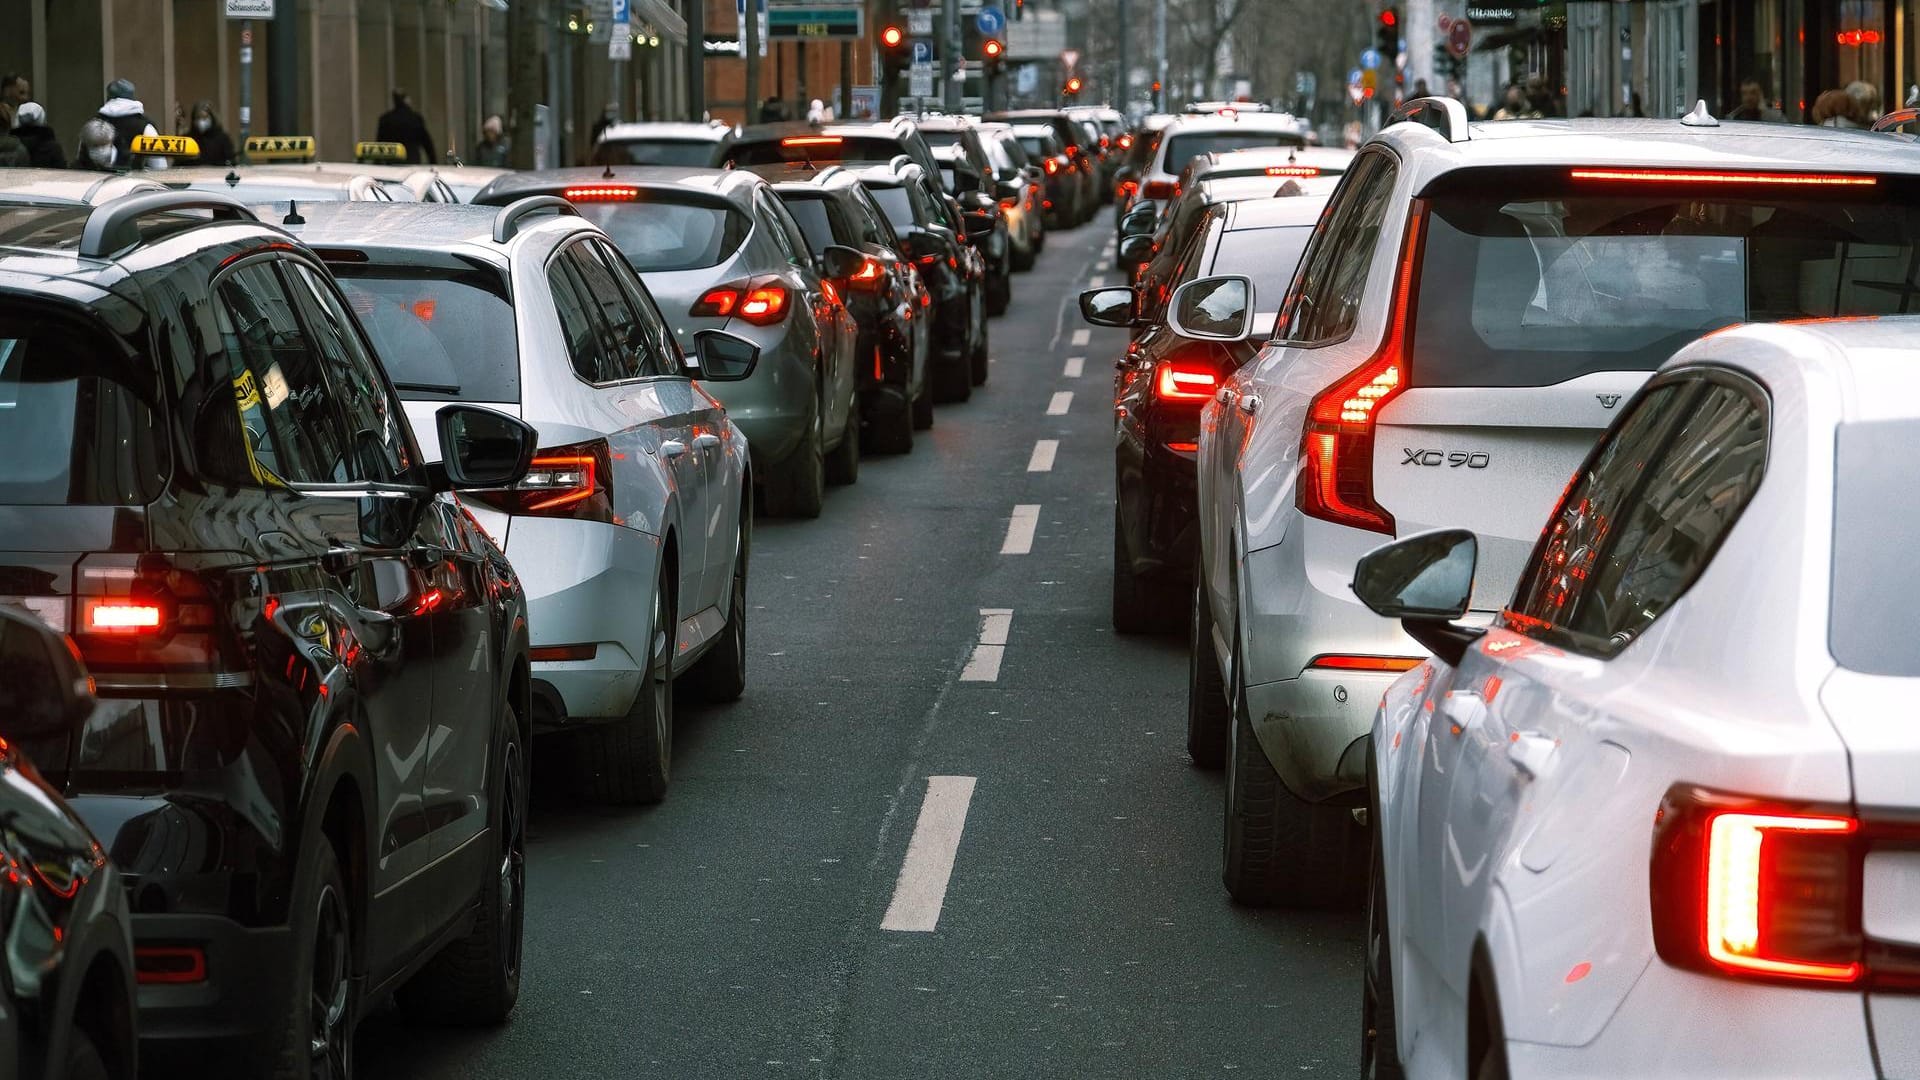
(978, 360)
(798, 488)
(999, 292)
(1207, 710)
(475, 980)
(630, 760)
(1279, 849)
(84, 1060)
(923, 406)
(322, 983)
(843, 465)
(1140, 607)
(890, 423)
(1379, 1032)
(1023, 260)
(721, 675)
(952, 377)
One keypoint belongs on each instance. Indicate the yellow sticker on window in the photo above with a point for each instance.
(246, 391)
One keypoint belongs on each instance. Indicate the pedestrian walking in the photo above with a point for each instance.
(401, 124)
(1753, 104)
(1516, 106)
(128, 118)
(95, 150)
(43, 146)
(494, 146)
(13, 154)
(216, 146)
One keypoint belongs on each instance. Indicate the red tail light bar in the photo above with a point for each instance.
(811, 140)
(1157, 189)
(571, 481)
(762, 301)
(600, 193)
(1292, 170)
(1185, 381)
(145, 619)
(1342, 662)
(1715, 176)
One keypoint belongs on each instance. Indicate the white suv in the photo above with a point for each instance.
(1229, 128)
(1476, 303)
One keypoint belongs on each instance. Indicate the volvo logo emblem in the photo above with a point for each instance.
(1608, 401)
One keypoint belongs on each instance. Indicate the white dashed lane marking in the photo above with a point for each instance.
(1076, 365)
(1020, 526)
(1062, 400)
(1096, 282)
(1082, 336)
(921, 890)
(1042, 459)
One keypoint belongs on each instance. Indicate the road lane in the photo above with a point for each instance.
(735, 930)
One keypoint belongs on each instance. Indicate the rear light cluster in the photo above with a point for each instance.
(600, 193)
(1052, 166)
(1157, 189)
(1128, 188)
(761, 301)
(1336, 447)
(572, 481)
(1185, 381)
(870, 277)
(1765, 891)
(144, 615)
(1292, 170)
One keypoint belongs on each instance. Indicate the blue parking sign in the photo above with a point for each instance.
(922, 51)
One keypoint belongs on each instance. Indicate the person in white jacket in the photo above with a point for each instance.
(129, 119)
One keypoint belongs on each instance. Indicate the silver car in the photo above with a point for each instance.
(719, 251)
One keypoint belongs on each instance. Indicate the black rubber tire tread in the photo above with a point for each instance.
(1379, 1046)
(952, 378)
(721, 675)
(84, 1061)
(798, 486)
(977, 363)
(1279, 849)
(285, 1051)
(999, 293)
(1208, 711)
(843, 465)
(1141, 607)
(464, 985)
(622, 762)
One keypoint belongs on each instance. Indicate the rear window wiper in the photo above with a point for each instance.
(451, 389)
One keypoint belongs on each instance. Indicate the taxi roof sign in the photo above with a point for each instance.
(280, 148)
(379, 151)
(165, 146)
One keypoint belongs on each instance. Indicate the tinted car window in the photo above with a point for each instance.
(615, 321)
(660, 234)
(656, 352)
(1875, 576)
(78, 419)
(810, 213)
(1268, 256)
(287, 413)
(1182, 149)
(895, 203)
(696, 153)
(574, 306)
(444, 335)
(1334, 274)
(868, 219)
(378, 440)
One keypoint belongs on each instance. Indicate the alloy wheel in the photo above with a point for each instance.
(660, 672)
(329, 1046)
(513, 857)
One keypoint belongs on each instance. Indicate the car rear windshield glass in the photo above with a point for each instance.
(79, 424)
(810, 213)
(1535, 287)
(1035, 146)
(1184, 148)
(694, 153)
(1875, 576)
(443, 334)
(938, 139)
(818, 149)
(896, 204)
(659, 235)
(1268, 256)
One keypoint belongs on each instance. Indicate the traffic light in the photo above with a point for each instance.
(1073, 86)
(992, 49)
(1387, 36)
(894, 49)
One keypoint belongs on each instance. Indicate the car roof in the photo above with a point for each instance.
(831, 178)
(735, 185)
(1239, 121)
(877, 129)
(40, 245)
(668, 131)
(891, 173)
(943, 121)
(69, 185)
(1874, 359)
(1275, 212)
(441, 227)
(318, 177)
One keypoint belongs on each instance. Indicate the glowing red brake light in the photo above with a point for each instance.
(1185, 381)
(1336, 447)
(717, 302)
(600, 193)
(1157, 189)
(1292, 170)
(1126, 142)
(868, 277)
(1701, 176)
(1738, 881)
(140, 614)
(1341, 662)
(1052, 166)
(811, 140)
(101, 616)
(764, 304)
(572, 481)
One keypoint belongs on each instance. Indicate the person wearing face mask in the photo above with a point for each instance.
(97, 152)
(43, 147)
(216, 146)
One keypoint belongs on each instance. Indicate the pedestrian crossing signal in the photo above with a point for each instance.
(165, 146)
(280, 148)
(379, 151)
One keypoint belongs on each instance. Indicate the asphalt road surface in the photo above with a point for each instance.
(903, 854)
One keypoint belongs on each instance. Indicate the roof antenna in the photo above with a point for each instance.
(232, 178)
(1700, 117)
(608, 175)
(293, 214)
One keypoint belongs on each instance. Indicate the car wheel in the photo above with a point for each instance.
(1278, 848)
(721, 675)
(1207, 710)
(630, 760)
(476, 980)
(1023, 259)
(1140, 607)
(84, 1061)
(843, 465)
(1379, 1035)
(923, 406)
(952, 377)
(799, 485)
(999, 292)
(315, 1039)
(977, 361)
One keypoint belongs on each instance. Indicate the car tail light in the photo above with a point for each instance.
(1010, 202)
(811, 140)
(765, 304)
(1157, 189)
(563, 652)
(1185, 381)
(1128, 187)
(169, 964)
(1763, 890)
(1052, 165)
(600, 193)
(1126, 142)
(1073, 151)
(869, 277)
(761, 302)
(573, 481)
(717, 302)
(143, 615)
(1336, 447)
(1344, 662)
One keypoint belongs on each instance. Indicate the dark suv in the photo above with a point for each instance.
(805, 147)
(933, 233)
(308, 755)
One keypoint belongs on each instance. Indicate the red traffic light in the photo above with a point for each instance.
(892, 36)
(992, 49)
(1073, 85)
(1388, 18)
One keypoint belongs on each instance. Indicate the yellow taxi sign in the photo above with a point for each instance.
(379, 151)
(280, 148)
(165, 146)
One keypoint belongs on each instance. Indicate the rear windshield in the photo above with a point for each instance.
(938, 139)
(818, 149)
(1535, 287)
(1268, 256)
(658, 235)
(810, 213)
(1035, 146)
(1182, 149)
(444, 335)
(895, 204)
(1876, 519)
(78, 423)
(694, 153)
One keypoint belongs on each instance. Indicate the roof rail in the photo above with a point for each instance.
(900, 161)
(1443, 114)
(506, 224)
(114, 226)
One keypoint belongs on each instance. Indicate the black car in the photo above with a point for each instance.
(66, 974)
(934, 235)
(883, 290)
(1061, 183)
(308, 757)
(1159, 391)
(987, 225)
(815, 146)
(1080, 167)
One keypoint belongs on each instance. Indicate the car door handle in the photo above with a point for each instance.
(672, 448)
(1531, 752)
(706, 440)
(1249, 403)
(1225, 395)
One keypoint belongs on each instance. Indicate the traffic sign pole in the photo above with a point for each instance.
(950, 61)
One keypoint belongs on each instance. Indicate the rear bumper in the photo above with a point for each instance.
(242, 997)
(587, 582)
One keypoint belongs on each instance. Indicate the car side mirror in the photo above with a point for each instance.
(1136, 249)
(46, 690)
(1034, 174)
(1139, 220)
(839, 261)
(1212, 308)
(1425, 581)
(482, 448)
(724, 357)
(917, 242)
(1108, 307)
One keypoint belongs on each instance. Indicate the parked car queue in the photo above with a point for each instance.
(1625, 770)
(235, 566)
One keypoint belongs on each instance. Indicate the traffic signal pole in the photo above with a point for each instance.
(1160, 53)
(951, 62)
(751, 17)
